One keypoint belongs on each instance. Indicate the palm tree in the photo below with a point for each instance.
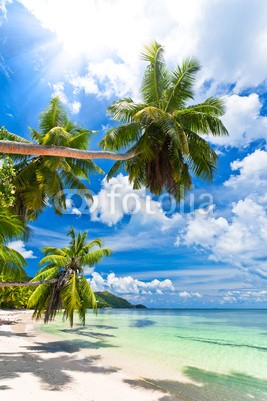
(161, 135)
(163, 131)
(12, 263)
(42, 178)
(70, 290)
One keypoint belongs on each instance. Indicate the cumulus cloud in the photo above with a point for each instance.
(107, 79)
(129, 285)
(242, 120)
(245, 236)
(251, 178)
(148, 225)
(238, 234)
(234, 54)
(239, 240)
(114, 200)
(204, 229)
(117, 198)
(19, 246)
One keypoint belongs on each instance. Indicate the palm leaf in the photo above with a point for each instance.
(80, 138)
(203, 118)
(180, 88)
(57, 260)
(123, 110)
(53, 116)
(118, 166)
(47, 273)
(155, 78)
(120, 137)
(202, 158)
(87, 298)
(94, 257)
(70, 298)
(56, 136)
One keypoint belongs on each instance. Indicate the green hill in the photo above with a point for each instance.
(107, 300)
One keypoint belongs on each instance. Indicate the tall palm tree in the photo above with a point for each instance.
(161, 135)
(40, 179)
(163, 131)
(70, 291)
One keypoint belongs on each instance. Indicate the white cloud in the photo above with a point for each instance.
(111, 204)
(129, 285)
(107, 79)
(184, 294)
(72, 209)
(252, 177)
(203, 229)
(86, 83)
(240, 240)
(117, 198)
(149, 224)
(248, 295)
(238, 234)
(106, 33)
(19, 246)
(242, 120)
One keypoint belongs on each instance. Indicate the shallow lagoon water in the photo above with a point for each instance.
(198, 355)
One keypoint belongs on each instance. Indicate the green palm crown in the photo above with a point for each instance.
(42, 178)
(163, 130)
(71, 290)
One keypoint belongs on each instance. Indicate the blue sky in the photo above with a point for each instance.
(87, 53)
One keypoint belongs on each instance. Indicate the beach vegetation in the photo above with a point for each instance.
(39, 179)
(71, 290)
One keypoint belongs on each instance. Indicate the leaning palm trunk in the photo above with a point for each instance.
(18, 148)
(27, 283)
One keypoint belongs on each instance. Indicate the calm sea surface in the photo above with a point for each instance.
(200, 355)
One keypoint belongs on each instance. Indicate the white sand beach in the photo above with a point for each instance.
(30, 370)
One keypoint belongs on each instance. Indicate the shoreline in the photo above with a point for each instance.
(36, 365)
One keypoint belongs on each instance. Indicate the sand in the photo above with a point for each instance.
(32, 370)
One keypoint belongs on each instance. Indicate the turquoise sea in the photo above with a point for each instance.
(200, 355)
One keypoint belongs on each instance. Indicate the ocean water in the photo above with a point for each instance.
(197, 355)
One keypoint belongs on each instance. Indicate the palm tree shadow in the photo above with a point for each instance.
(11, 334)
(69, 346)
(207, 386)
(81, 331)
(53, 370)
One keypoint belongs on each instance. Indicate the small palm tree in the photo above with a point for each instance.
(71, 290)
(42, 178)
(163, 131)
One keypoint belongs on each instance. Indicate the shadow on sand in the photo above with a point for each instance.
(53, 369)
(209, 386)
